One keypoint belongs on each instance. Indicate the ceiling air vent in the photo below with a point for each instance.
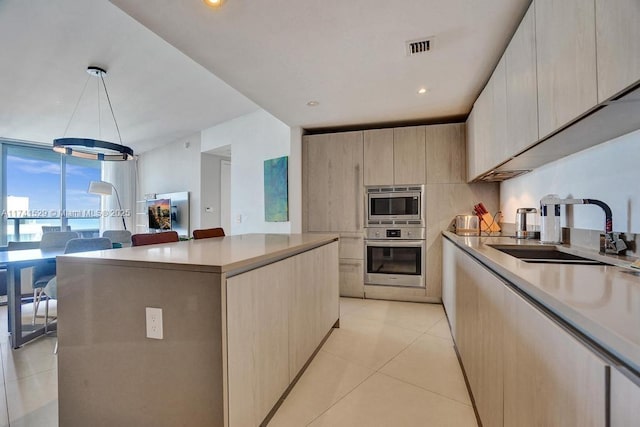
(415, 47)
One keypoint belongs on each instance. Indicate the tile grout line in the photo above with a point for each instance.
(429, 391)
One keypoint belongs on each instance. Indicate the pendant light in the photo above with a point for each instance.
(89, 148)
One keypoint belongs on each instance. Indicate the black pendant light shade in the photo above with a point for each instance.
(89, 148)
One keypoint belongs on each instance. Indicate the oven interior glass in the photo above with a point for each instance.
(394, 206)
(394, 260)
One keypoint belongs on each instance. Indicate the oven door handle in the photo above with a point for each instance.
(395, 243)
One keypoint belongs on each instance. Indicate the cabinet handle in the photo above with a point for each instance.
(352, 264)
(358, 200)
(351, 237)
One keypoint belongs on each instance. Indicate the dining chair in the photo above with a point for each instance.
(118, 236)
(208, 233)
(50, 291)
(50, 242)
(143, 239)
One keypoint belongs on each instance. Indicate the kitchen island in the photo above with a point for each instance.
(241, 317)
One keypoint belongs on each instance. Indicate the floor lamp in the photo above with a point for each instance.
(105, 188)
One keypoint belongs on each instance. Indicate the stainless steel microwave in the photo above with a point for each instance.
(395, 205)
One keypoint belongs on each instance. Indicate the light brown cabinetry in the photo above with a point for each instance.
(333, 199)
(522, 88)
(378, 157)
(409, 162)
(395, 156)
(549, 377)
(488, 144)
(618, 45)
(523, 368)
(479, 315)
(445, 154)
(273, 330)
(625, 401)
(333, 177)
(566, 61)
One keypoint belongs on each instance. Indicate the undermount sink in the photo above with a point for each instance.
(544, 254)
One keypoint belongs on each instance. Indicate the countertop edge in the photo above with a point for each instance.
(229, 269)
(598, 336)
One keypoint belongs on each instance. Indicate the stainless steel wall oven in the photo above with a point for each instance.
(395, 257)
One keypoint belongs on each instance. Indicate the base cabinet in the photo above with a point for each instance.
(523, 368)
(351, 278)
(549, 377)
(625, 400)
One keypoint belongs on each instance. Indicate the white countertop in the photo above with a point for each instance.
(220, 254)
(602, 302)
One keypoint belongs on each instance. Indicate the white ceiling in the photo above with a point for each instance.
(346, 54)
(158, 93)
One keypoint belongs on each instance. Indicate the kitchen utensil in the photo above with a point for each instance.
(527, 223)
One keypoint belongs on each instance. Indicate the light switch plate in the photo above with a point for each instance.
(154, 323)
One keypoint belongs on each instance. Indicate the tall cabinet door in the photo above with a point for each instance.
(409, 157)
(522, 86)
(334, 179)
(618, 41)
(378, 157)
(566, 66)
(550, 379)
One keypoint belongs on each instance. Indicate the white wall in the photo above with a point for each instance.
(609, 172)
(255, 138)
(172, 168)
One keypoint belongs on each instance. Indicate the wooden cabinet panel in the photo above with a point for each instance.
(566, 61)
(625, 401)
(473, 149)
(550, 378)
(618, 45)
(522, 87)
(352, 278)
(314, 303)
(479, 319)
(334, 182)
(378, 157)
(445, 154)
(258, 337)
(449, 283)
(351, 245)
(409, 164)
(496, 147)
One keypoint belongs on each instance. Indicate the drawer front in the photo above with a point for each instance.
(351, 246)
(352, 278)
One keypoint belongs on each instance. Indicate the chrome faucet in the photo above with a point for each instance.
(610, 242)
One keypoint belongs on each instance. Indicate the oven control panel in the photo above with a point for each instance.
(396, 233)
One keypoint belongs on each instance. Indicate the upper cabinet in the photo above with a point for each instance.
(549, 95)
(333, 182)
(487, 144)
(409, 157)
(395, 156)
(445, 150)
(618, 45)
(378, 157)
(566, 61)
(522, 88)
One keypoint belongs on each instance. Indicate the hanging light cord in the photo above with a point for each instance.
(111, 108)
(76, 107)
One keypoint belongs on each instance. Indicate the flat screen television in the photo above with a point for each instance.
(159, 213)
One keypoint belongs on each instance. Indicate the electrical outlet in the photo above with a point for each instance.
(154, 323)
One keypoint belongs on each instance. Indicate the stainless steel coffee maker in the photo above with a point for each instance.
(527, 223)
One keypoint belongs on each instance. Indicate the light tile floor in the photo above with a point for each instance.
(389, 364)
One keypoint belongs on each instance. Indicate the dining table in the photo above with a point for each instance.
(15, 262)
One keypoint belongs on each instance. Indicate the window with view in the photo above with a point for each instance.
(45, 189)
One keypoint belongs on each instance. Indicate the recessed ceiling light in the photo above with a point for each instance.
(422, 91)
(213, 3)
(313, 103)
